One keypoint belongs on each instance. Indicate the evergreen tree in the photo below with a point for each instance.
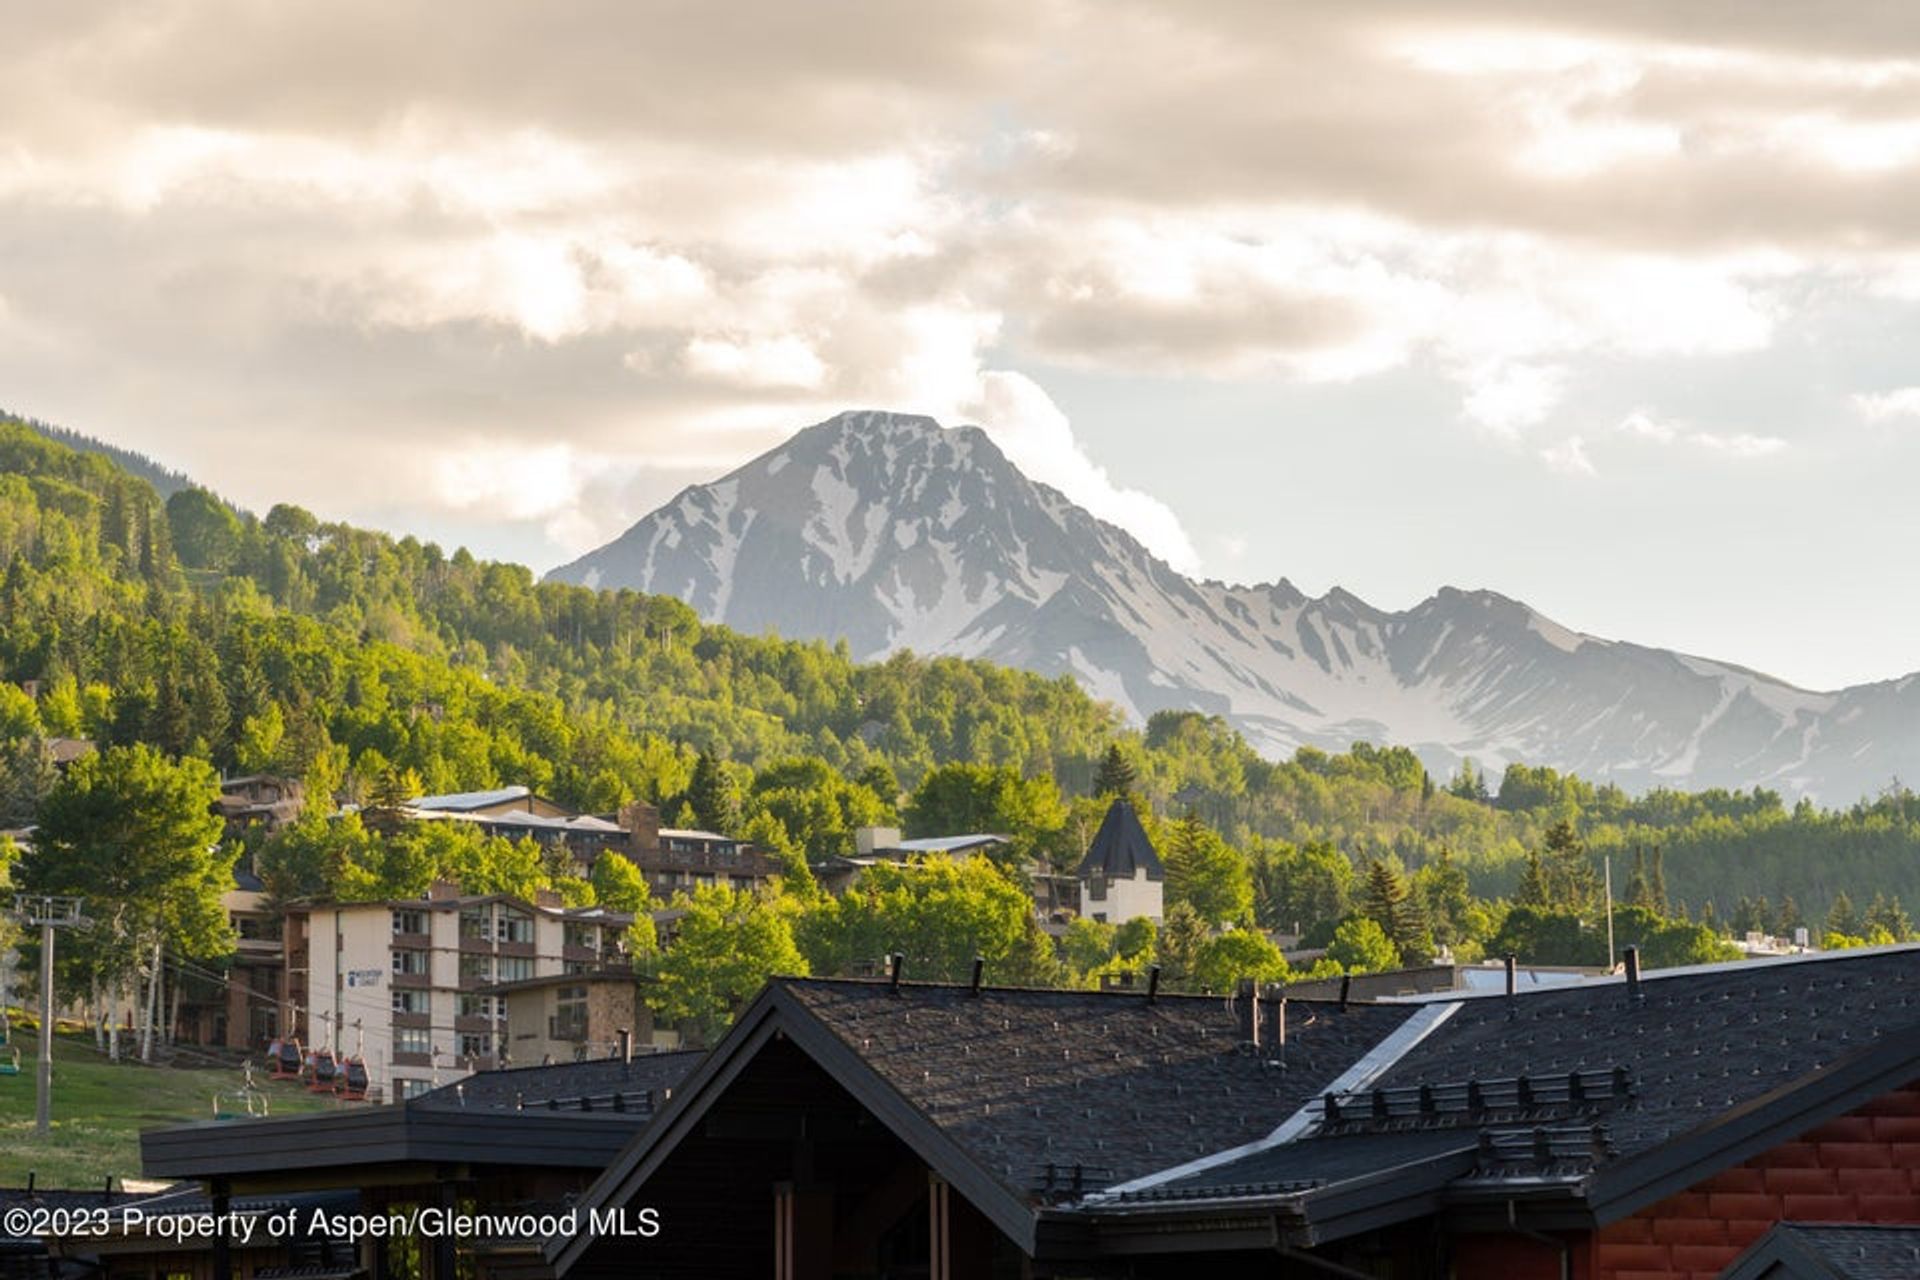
(1787, 918)
(712, 797)
(1206, 874)
(1639, 887)
(1887, 915)
(1116, 776)
(1533, 891)
(1657, 883)
(1182, 934)
(1842, 918)
(1383, 899)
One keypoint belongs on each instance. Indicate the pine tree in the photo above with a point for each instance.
(1788, 918)
(1384, 898)
(1117, 774)
(1533, 884)
(1887, 914)
(711, 795)
(1842, 918)
(1657, 882)
(1639, 889)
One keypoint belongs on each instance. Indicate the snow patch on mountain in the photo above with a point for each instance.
(892, 533)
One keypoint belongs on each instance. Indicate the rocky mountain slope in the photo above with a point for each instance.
(893, 532)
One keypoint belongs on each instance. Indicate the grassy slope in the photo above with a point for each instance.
(99, 1108)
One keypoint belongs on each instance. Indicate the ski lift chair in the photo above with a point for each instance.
(286, 1060)
(325, 1069)
(352, 1083)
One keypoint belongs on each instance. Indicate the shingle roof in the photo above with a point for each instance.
(1565, 1081)
(1120, 847)
(597, 1079)
(1808, 1251)
(1112, 1082)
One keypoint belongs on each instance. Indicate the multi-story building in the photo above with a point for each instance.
(406, 984)
(573, 1017)
(676, 860)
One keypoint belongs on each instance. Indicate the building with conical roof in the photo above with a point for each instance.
(1121, 877)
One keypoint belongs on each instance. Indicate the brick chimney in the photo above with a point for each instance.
(642, 822)
(442, 891)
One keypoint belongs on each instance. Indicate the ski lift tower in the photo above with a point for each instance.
(49, 912)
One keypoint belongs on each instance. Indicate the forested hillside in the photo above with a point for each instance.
(369, 664)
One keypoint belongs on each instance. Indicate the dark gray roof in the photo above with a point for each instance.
(1810, 1251)
(1697, 1044)
(1567, 1083)
(1120, 847)
(597, 1080)
(1112, 1082)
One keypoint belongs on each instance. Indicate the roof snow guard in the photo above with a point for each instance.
(1121, 847)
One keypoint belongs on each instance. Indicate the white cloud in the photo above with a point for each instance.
(1740, 444)
(516, 481)
(1641, 424)
(1569, 457)
(1644, 425)
(1508, 398)
(1887, 406)
(756, 362)
(1035, 435)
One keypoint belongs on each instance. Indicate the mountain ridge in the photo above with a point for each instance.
(891, 531)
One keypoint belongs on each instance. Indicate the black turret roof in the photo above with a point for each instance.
(1121, 847)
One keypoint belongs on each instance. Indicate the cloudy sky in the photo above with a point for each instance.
(1611, 307)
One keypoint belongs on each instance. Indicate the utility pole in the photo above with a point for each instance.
(50, 912)
(1607, 862)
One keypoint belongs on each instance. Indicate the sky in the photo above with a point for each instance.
(1609, 308)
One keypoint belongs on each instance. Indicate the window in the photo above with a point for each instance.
(412, 1088)
(412, 1040)
(570, 1014)
(515, 968)
(476, 1044)
(476, 968)
(258, 928)
(513, 926)
(409, 922)
(409, 1000)
(582, 935)
(476, 1006)
(476, 924)
(410, 962)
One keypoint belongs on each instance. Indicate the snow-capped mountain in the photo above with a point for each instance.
(893, 532)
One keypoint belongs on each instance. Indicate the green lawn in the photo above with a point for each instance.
(99, 1108)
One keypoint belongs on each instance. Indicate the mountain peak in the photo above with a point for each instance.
(892, 532)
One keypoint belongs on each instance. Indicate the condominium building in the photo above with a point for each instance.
(403, 984)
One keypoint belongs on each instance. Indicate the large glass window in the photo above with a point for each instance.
(515, 968)
(409, 1000)
(514, 926)
(412, 1040)
(409, 921)
(476, 968)
(415, 962)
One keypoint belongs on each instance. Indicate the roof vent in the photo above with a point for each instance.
(894, 961)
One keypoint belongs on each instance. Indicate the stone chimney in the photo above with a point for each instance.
(642, 822)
